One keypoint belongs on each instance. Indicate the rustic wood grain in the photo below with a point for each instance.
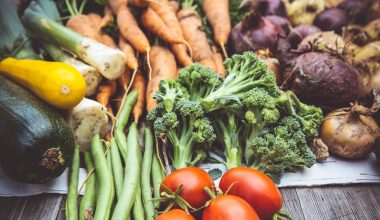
(291, 203)
(363, 202)
(6, 204)
(324, 203)
(18, 207)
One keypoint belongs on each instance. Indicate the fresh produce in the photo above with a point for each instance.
(105, 187)
(357, 11)
(307, 29)
(323, 80)
(304, 11)
(59, 84)
(117, 167)
(108, 61)
(87, 204)
(87, 119)
(189, 183)
(145, 175)
(71, 209)
(350, 132)
(282, 22)
(254, 32)
(139, 84)
(332, 19)
(254, 187)
(272, 7)
(31, 154)
(175, 214)
(229, 207)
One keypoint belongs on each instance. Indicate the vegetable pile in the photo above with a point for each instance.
(144, 91)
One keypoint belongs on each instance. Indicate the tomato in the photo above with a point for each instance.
(194, 180)
(229, 207)
(175, 214)
(254, 187)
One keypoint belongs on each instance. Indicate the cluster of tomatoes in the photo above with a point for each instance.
(247, 194)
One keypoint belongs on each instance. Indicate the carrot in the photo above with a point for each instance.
(210, 63)
(219, 62)
(107, 18)
(83, 25)
(106, 91)
(96, 19)
(217, 12)
(163, 67)
(131, 60)
(191, 25)
(174, 5)
(180, 51)
(107, 40)
(139, 84)
(139, 3)
(124, 80)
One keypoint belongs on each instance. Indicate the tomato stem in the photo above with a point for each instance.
(210, 192)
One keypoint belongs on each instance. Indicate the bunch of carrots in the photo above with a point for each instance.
(178, 40)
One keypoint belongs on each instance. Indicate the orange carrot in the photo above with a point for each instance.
(180, 51)
(217, 12)
(124, 80)
(191, 25)
(139, 84)
(131, 59)
(83, 25)
(107, 40)
(107, 18)
(219, 62)
(163, 67)
(175, 5)
(106, 91)
(139, 3)
(95, 19)
(210, 63)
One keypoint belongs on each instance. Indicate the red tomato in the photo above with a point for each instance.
(254, 187)
(175, 214)
(229, 207)
(194, 180)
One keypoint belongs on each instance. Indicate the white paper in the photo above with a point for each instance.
(332, 171)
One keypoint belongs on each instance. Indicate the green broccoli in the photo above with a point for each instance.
(170, 91)
(186, 127)
(280, 148)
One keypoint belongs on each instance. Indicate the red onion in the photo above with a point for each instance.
(307, 29)
(332, 19)
(323, 80)
(254, 32)
(280, 21)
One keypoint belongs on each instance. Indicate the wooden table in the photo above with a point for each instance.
(311, 203)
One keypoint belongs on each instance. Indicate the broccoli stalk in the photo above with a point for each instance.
(229, 129)
(187, 129)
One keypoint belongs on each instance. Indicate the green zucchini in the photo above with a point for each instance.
(36, 144)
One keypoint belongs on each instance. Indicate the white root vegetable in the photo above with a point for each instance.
(87, 119)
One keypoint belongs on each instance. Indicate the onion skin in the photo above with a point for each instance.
(332, 19)
(307, 29)
(349, 134)
(254, 33)
(323, 80)
(304, 11)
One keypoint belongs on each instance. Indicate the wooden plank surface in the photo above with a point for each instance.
(311, 203)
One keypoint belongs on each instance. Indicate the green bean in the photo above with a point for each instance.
(125, 110)
(145, 175)
(117, 167)
(138, 208)
(131, 177)
(109, 165)
(87, 205)
(156, 177)
(121, 141)
(72, 194)
(105, 188)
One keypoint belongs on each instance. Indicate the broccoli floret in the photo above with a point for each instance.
(244, 72)
(169, 92)
(199, 81)
(282, 148)
(186, 127)
(229, 130)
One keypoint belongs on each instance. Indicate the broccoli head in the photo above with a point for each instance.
(170, 91)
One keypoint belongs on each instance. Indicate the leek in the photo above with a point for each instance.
(108, 61)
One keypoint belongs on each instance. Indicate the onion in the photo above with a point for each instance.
(332, 19)
(273, 7)
(280, 21)
(350, 132)
(332, 3)
(323, 80)
(356, 10)
(307, 29)
(372, 30)
(253, 33)
(304, 11)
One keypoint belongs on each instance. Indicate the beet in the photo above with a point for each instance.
(323, 80)
(284, 23)
(307, 29)
(254, 32)
(356, 10)
(332, 19)
(273, 7)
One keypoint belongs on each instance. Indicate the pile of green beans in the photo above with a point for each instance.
(120, 174)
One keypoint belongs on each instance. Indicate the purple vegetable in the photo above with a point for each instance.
(273, 7)
(356, 10)
(284, 23)
(323, 80)
(307, 29)
(254, 32)
(332, 19)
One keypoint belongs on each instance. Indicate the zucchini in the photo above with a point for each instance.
(36, 144)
